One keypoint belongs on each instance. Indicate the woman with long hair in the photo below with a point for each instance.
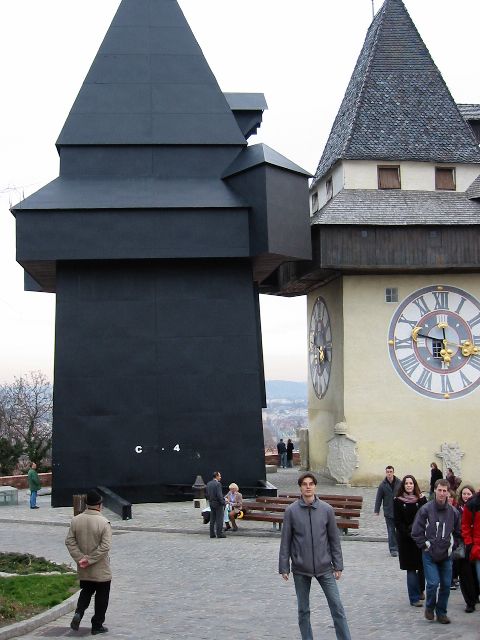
(466, 569)
(435, 474)
(405, 507)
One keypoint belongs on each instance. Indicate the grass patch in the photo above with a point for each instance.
(24, 564)
(24, 596)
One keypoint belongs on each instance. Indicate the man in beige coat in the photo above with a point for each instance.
(88, 542)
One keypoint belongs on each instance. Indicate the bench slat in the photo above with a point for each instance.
(264, 506)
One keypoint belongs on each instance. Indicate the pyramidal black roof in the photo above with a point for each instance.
(397, 105)
(150, 84)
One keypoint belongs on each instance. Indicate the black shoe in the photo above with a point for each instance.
(35, 507)
(222, 535)
(75, 623)
(101, 629)
(213, 536)
(469, 608)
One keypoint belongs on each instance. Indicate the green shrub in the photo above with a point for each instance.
(24, 564)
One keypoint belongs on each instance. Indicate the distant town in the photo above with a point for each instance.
(286, 412)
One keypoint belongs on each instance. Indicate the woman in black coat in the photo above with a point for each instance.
(405, 507)
(290, 448)
(435, 474)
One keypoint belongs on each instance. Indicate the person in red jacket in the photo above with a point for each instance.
(471, 530)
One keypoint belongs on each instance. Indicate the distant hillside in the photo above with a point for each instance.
(286, 389)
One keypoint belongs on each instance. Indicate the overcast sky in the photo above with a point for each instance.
(299, 53)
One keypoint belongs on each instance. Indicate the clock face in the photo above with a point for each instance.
(320, 347)
(434, 342)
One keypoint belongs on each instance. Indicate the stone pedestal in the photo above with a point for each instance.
(451, 457)
(342, 458)
(200, 503)
(303, 447)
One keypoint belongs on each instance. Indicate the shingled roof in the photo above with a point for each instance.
(473, 191)
(397, 105)
(396, 207)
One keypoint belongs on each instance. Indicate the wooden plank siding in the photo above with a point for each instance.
(352, 249)
(388, 247)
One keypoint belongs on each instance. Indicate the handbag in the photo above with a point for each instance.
(459, 552)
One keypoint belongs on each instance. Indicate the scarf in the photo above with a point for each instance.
(409, 498)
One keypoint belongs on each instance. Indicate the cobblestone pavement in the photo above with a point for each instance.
(174, 586)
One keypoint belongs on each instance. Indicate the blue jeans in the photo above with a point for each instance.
(413, 586)
(330, 589)
(283, 460)
(392, 537)
(437, 573)
(33, 499)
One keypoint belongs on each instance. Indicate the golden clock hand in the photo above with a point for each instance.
(467, 348)
(446, 353)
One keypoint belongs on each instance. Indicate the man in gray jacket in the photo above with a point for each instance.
(436, 531)
(386, 492)
(310, 540)
(88, 542)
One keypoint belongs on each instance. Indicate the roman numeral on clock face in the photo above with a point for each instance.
(441, 300)
(425, 379)
(409, 364)
(474, 321)
(412, 323)
(446, 386)
(422, 305)
(403, 343)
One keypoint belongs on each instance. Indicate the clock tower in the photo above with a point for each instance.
(394, 286)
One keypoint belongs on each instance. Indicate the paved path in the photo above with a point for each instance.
(182, 586)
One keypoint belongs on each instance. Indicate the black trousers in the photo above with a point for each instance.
(468, 581)
(102, 592)
(216, 519)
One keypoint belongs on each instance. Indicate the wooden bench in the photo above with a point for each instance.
(272, 509)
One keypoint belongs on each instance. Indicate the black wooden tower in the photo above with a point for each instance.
(155, 237)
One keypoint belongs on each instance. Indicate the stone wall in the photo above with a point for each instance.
(272, 458)
(21, 482)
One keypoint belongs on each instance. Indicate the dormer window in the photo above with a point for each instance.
(329, 188)
(445, 179)
(389, 177)
(314, 201)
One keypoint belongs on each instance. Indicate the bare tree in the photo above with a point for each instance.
(26, 414)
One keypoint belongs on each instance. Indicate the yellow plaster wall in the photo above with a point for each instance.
(362, 174)
(337, 185)
(392, 423)
(323, 414)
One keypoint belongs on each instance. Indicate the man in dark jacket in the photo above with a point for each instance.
(310, 540)
(386, 492)
(217, 505)
(436, 531)
(282, 453)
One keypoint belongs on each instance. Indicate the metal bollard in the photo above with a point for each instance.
(198, 487)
